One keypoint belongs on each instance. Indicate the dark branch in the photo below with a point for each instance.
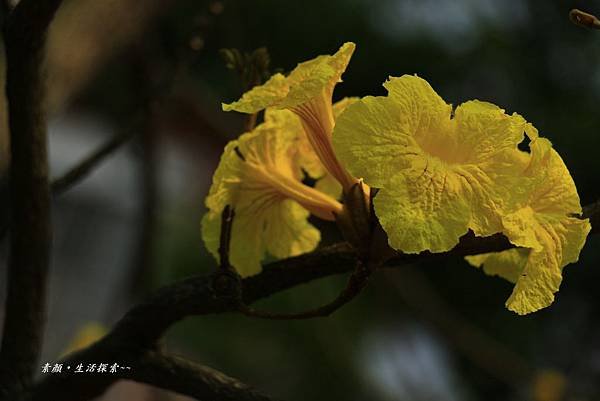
(24, 40)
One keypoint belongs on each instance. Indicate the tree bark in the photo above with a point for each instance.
(30, 228)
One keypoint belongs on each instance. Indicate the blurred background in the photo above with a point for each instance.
(151, 69)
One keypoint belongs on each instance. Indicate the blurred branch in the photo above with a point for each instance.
(88, 164)
(81, 170)
(25, 30)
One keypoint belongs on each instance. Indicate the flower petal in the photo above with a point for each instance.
(371, 142)
(290, 122)
(287, 232)
(378, 136)
(483, 130)
(554, 190)
(508, 264)
(542, 273)
(261, 97)
(560, 239)
(426, 211)
(225, 179)
(308, 80)
(262, 223)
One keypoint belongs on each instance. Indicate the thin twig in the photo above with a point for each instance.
(357, 281)
(78, 172)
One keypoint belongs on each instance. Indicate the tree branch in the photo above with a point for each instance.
(139, 331)
(25, 31)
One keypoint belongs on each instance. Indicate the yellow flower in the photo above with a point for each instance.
(307, 91)
(439, 175)
(544, 226)
(259, 176)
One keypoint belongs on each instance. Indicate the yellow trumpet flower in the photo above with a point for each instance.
(259, 176)
(307, 91)
(438, 174)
